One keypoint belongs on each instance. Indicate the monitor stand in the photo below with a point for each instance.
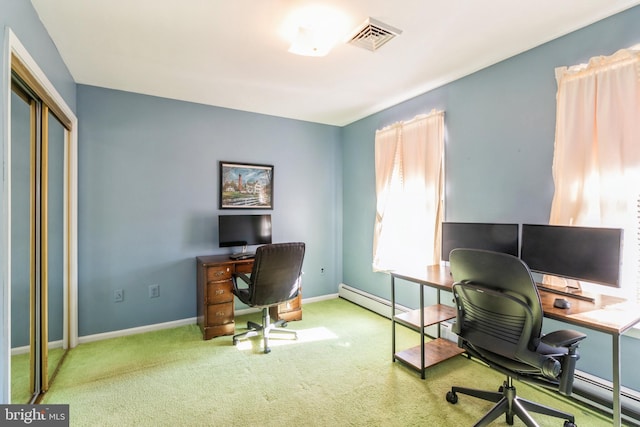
(573, 290)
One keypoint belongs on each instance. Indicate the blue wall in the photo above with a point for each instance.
(148, 200)
(500, 125)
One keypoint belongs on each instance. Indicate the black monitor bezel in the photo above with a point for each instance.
(250, 219)
(610, 248)
(512, 228)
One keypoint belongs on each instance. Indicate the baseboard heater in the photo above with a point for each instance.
(587, 388)
(369, 301)
(597, 392)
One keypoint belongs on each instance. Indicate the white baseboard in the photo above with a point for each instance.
(26, 349)
(177, 323)
(133, 331)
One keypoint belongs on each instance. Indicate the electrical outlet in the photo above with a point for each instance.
(154, 291)
(118, 295)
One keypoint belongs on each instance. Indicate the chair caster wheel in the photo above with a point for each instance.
(235, 341)
(453, 398)
(569, 424)
(267, 350)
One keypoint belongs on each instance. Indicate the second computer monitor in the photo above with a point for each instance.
(592, 254)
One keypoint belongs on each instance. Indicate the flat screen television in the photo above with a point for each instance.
(477, 235)
(244, 230)
(590, 254)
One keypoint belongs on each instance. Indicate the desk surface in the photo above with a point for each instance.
(609, 314)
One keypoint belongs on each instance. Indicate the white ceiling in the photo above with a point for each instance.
(230, 53)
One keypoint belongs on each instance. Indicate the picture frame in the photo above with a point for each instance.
(246, 186)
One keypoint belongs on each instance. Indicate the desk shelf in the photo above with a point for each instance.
(432, 314)
(435, 351)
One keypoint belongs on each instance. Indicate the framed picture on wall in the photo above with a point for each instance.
(246, 186)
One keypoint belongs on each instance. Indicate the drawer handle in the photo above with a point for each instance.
(219, 291)
(219, 273)
(220, 313)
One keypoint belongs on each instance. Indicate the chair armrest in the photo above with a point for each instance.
(568, 339)
(241, 276)
(563, 338)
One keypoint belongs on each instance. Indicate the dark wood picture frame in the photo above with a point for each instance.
(246, 186)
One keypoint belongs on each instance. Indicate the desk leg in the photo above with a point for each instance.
(617, 370)
(438, 302)
(393, 321)
(422, 332)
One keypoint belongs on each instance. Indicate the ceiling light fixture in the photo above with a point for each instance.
(309, 42)
(314, 30)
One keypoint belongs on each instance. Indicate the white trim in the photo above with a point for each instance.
(25, 349)
(138, 330)
(5, 259)
(177, 323)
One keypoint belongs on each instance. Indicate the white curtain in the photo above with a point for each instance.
(597, 149)
(408, 163)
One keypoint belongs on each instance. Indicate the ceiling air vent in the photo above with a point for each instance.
(372, 34)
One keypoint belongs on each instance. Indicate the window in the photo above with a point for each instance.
(596, 165)
(409, 175)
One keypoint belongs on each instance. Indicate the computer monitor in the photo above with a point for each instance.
(590, 254)
(477, 235)
(244, 230)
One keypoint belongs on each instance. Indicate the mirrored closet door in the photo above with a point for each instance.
(38, 243)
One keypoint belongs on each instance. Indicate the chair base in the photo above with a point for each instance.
(509, 404)
(266, 329)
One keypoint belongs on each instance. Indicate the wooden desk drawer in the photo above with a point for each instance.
(218, 314)
(288, 310)
(219, 272)
(291, 305)
(244, 267)
(219, 292)
(218, 330)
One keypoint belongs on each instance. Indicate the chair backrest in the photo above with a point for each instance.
(502, 303)
(276, 273)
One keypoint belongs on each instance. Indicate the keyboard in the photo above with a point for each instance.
(243, 255)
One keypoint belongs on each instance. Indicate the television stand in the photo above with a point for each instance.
(567, 291)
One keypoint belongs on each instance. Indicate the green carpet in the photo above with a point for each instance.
(338, 373)
(20, 375)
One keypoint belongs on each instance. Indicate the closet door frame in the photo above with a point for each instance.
(18, 59)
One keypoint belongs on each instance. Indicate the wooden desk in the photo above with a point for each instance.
(215, 299)
(611, 315)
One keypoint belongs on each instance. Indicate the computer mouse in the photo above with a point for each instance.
(561, 303)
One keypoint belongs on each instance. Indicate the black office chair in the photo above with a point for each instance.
(499, 321)
(275, 278)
